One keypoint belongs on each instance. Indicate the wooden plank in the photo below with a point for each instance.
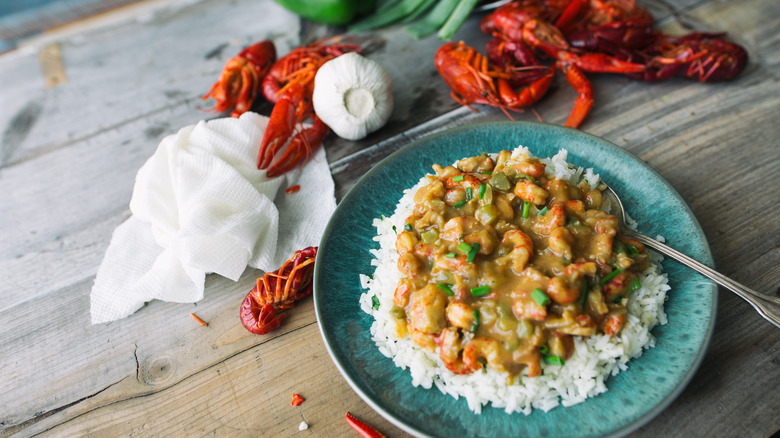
(67, 168)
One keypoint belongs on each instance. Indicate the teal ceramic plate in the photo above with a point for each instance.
(635, 396)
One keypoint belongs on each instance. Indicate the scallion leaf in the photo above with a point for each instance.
(433, 20)
(584, 294)
(540, 297)
(481, 191)
(423, 7)
(480, 291)
(408, 227)
(460, 204)
(457, 178)
(475, 327)
(634, 286)
(389, 13)
(472, 252)
(446, 288)
(464, 247)
(542, 212)
(544, 350)
(469, 193)
(374, 302)
(451, 255)
(526, 209)
(456, 19)
(611, 275)
(554, 360)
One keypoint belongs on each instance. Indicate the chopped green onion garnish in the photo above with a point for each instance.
(611, 275)
(480, 291)
(634, 286)
(544, 350)
(526, 209)
(395, 230)
(460, 204)
(631, 250)
(451, 255)
(475, 327)
(464, 247)
(407, 227)
(542, 211)
(554, 360)
(446, 288)
(481, 191)
(539, 296)
(472, 252)
(374, 302)
(584, 294)
(457, 178)
(469, 193)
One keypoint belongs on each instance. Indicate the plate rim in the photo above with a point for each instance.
(643, 419)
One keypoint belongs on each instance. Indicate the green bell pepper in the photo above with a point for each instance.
(331, 12)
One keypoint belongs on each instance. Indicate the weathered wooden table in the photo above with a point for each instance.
(70, 152)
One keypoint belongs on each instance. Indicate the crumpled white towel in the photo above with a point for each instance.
(201, 206)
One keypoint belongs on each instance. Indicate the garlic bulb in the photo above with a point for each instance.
(353, 95)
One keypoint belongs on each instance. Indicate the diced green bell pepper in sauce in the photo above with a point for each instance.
(429, 236)
(634, 286)
(500, 181)
(487, 214)
(398, 312)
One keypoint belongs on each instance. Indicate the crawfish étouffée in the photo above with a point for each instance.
(502, 264)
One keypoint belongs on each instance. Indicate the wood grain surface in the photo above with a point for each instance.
(69, 157)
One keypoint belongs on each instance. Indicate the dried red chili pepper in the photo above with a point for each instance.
(363, 429)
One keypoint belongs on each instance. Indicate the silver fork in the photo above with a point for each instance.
(767, 306)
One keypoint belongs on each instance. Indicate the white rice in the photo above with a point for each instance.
(584, 374)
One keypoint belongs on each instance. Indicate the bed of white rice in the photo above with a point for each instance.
(584, 374)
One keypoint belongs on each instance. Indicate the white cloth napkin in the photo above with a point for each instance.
(200, 206)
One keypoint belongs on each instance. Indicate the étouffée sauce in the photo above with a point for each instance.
(503, 264)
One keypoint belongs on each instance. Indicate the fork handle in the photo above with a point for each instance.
(766, 305)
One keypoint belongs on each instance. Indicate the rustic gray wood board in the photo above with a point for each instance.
(70, 154)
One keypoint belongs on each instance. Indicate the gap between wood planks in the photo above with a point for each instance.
(39, 416)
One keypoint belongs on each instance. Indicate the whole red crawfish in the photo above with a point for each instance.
(601, 36)
(239, 82)
(290, 84)
(522, 28)
(621, 22)
(277, 291)
(475, 79)
(704, 57)
(623, 29)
